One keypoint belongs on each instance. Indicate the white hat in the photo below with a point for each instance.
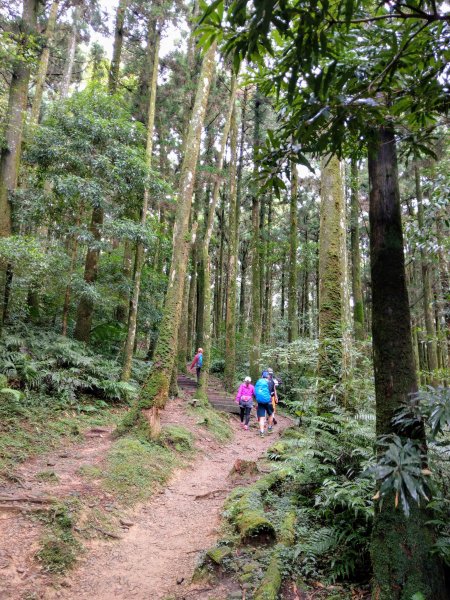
(249, 379)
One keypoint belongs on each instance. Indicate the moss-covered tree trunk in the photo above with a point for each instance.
(243, 252)
(332, 275)
(402, 563)
(256, 325)
(183, 329)
(283, 286)
(140, 250)
(305, 321)
(242, 295)
(427, 292)
(71, 51)
(268, 274)
(154, 394)
(113, 75)
(43, 62)
(202, 392)
(292, 283)
(193, 310)
(123, 307)
(73, 247)
(262, 262)
(11, 147)
(85, 308)
(444, 280)
(230, 321)
(358, 305)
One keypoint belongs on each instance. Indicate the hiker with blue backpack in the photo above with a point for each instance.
(198, 364)
(263, 397)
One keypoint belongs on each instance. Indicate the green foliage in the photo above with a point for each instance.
(91, 150)
(63, 371)
(401, 468)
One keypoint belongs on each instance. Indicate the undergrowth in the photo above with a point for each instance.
(53, 387)
(317, 499)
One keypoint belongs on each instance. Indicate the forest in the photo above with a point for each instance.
(269, 182)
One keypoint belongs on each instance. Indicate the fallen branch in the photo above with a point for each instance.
(27, 499)
(107, 533)
(17, 508)
(209, 494)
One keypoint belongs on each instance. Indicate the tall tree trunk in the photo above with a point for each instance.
(123, 307)
(73, 246)
(358, 306)
(71, 50)
(242, 296)
(402, 562)
(230, 321)
(262, 264)
(192, 305)
(183, 329)
(43, 63)
(268, 274)
(13, 131)
(155, 391)
(292, 289)
(140, 250)
(113, 75)
(202, 392)
(240, 170)
(332, 250)
(283, 286)
(256, 241)
(306, 329)
(85, 308)
(426, 289)
(444, 281)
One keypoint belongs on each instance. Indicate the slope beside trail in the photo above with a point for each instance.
(156, 558)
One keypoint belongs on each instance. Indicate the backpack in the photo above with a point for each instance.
(262, 393)
(200, 360)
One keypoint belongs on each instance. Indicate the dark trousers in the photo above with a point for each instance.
(245, 414)
(199, 370)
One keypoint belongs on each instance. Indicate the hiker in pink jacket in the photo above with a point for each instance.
(245, 400)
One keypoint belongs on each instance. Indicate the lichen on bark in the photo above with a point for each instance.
(332, 286)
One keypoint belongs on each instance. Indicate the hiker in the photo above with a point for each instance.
(273, 382)
(198, 364)
(264, 400)
(245, 400)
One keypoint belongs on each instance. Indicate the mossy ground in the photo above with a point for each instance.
(59, 548)
(42, 430)
(216, 423)
(135, 467)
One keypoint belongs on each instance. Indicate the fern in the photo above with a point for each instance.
(60, 370)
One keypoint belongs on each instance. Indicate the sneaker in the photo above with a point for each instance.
(242, 425)
(261, 434)
(270, 430)
(246, 427)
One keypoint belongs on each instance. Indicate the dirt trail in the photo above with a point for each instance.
(157, 557)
